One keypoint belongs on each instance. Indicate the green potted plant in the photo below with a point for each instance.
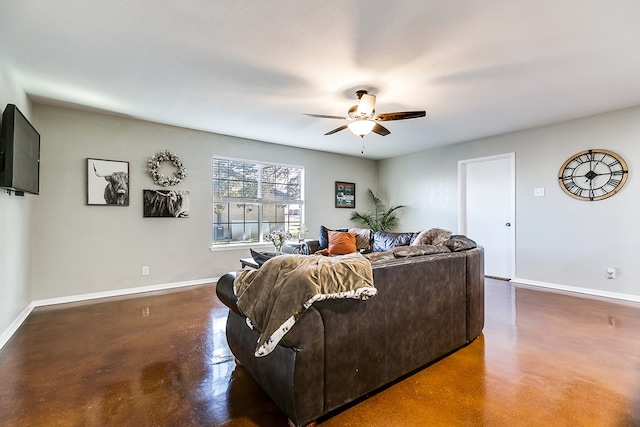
(302, 231)
(378, 218)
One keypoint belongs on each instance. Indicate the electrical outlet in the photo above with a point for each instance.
(538, 192)
(145, 270)
(611, 273)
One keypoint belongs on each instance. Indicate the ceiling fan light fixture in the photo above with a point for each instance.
(366, 105)
(362, 127)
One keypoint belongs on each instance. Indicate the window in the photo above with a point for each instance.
(250, 200)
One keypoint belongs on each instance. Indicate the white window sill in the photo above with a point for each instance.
(240, 246)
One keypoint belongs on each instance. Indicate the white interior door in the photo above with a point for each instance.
(487, 209)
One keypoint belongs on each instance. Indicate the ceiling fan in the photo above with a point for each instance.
(363, 119)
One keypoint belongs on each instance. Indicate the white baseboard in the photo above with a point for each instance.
(8, 333)
(13, 327)
(579, 290)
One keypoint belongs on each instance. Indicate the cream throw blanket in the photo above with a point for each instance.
(273, 297)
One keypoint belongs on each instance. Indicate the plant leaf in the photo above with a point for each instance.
(378, 218)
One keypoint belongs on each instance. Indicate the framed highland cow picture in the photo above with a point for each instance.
(107, 182)
(345, 194)
(165, 203)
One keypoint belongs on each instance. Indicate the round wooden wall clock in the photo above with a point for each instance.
(593, 174)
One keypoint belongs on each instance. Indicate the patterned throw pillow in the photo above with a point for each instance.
(433, 236)
(363, 238)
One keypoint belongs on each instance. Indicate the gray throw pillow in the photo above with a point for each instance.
(459, 243)
(261, 257)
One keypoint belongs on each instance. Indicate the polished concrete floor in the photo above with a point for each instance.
(160, 359)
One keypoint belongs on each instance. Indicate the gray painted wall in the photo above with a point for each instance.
(84, 249)
(559, 240)
(15, 226)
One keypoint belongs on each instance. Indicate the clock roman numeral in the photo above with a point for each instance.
(587, 157)
(613, 181)
(611, 185)
(575, 189)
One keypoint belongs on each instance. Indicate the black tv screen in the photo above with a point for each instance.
(19, 152)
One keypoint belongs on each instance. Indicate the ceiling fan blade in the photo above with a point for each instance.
(385, 117)
(331, 132)
(324, 116)
(366, 105)
(380, 130)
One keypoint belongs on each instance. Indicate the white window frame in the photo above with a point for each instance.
(227, 226)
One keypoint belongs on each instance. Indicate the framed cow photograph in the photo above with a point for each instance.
(107, 182)
(165, 204)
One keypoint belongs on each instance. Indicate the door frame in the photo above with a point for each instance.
(462, 199)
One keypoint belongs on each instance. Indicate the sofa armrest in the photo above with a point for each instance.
(293, 373)
(224, 291)
(475, 292)
(309, 247)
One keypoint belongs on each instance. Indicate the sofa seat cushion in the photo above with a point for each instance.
(379, 257)
(413, 250)
(384, 241)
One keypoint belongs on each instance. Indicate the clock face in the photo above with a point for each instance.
(593, 174)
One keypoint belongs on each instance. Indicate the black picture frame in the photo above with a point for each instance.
(107, 182)
(165, 203)
(345, 195)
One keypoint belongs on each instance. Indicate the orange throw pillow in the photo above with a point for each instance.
(341, 243)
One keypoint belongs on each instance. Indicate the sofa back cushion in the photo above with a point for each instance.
(385, 241)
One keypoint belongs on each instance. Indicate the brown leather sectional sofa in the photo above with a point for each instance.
(340, 350)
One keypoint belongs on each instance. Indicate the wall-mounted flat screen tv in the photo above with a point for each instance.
(19, 153)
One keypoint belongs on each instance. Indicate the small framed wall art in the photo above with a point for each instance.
(107, 182)
(165, 203)
(345, 195)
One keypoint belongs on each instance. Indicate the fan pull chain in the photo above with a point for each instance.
(362, 149)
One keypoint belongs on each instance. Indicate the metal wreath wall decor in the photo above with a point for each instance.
(160, 179)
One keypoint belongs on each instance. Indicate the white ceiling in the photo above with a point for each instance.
(251, 68)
